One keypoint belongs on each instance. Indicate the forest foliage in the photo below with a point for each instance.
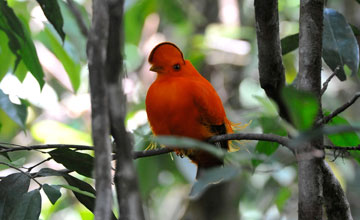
(44, 100)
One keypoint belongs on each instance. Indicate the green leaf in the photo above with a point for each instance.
(339, 44)
(289, 43)
(44, 172)
(52, 12)
(347, 139)
(6, 56)
(12, 188)
(52, 192)
(72, 67)
(20, 41)
(189, 143)
(269, 125)
(83, 191)
(72, 160)
(283, 195)
(17, 113)
(77, 190)
(212, 176)
(302, 106)
(172, 10)
(29, 207)
(135, 17)
(86, 200)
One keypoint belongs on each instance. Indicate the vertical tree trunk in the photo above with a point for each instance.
(96, 52)
(128, 196)
(310, 155)
(105, 52)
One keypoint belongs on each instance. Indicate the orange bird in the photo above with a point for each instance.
(182, 102)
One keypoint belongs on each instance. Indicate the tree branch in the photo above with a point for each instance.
(342, 108)
(271, 69)
(78, 17)
(251, 136)
(149, 153)
(27, 174)
(47, 146)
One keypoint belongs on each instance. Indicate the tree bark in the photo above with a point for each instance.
(96, 51)
(336, 204)
(271, 69)
(126, 184)
(310, 155)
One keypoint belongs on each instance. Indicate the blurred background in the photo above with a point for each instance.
(218, 37)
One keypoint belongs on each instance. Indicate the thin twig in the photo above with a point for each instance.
(342, 148)
(342, 108)
(27, 174)
(63, 171)
(149, 153)
(47, 146)
(41, 162)
(251, 136)
(326, 83)
(78, 17)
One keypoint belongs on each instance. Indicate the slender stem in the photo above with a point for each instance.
(47, 146)
(337, 111)
(27, 174)
(326, 83)
(41, 162)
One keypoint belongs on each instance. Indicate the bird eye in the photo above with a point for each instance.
(176, 66)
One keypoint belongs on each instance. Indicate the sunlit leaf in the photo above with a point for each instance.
(213, 176)
(302, 106)
(282, 197)
(29, 207)
(20, 41)
(339, 43)
(17, 113)
(77, 190)
(73, 160)
(52, 12)
(86, 200)
(52, 192)
(289, 43)
(12, 188)
(6, 56)
(71, 66)
(21, 71)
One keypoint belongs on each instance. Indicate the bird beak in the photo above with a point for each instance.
(156, 68)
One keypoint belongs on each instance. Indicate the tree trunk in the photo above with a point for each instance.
(310, 155)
